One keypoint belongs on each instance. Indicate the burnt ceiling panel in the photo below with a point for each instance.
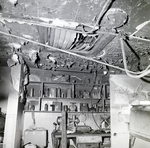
(90, 28)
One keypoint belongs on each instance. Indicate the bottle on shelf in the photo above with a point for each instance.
(46, 92)
(52, 93)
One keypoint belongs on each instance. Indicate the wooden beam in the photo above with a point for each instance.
(64, 130)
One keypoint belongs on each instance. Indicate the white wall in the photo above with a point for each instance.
(125, 91)
(4, 80)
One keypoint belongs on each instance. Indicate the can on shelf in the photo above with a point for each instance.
(69, 93)
(46, 107)
(32, 92)
(58, 93)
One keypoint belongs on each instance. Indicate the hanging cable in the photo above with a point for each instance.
(137, 56)
(43, 24)
(137, 74)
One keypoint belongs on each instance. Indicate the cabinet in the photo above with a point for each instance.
(79, 97)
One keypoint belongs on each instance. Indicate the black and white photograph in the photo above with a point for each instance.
(74, 73)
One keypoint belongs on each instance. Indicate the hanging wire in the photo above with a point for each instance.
(135, 74)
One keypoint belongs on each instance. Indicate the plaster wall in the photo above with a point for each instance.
(4, 87)
(124, 92)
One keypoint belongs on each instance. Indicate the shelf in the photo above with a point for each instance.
(67, 83)
(33, 98)
(108, 145)
(44, 94)
(68, 112)
(63, 99)
(42, 111)
(35, 82)
(70, 99)
(58, 134)
(44, 82)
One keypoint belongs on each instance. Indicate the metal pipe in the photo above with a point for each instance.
(21, 21)
(138, 38)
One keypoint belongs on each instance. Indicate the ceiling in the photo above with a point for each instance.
(75, 34)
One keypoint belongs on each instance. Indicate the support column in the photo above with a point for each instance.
(13, 124)
(64, 130)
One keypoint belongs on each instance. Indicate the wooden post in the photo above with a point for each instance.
(64, 130)
(13, 124)
(73, 89)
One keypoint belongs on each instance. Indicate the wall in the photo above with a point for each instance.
(13, 123)
(4, 77)
(124, 92)
(3, 104)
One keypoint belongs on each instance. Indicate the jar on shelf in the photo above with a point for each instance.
(69, 93)
(63, 94)
(32, 108)
(46, 107)
(46, 92)
(52, 93)
(86, 94)
(66, 108)
(92, 109)
(73, 107)
(58, 93)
